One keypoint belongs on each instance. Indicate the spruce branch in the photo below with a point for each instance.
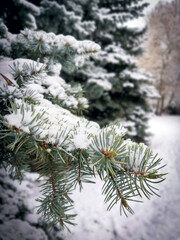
(67, 150)
(55, 201)
(127, 168)
(64, 49)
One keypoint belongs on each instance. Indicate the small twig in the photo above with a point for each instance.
(52, 179)
(115, 185)
(88, 52)
(123, 201)
(135, 172)
(79, 173)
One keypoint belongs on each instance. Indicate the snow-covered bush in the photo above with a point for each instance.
(42, 128)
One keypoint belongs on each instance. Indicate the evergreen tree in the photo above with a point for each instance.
(115, 87)
(40, 129)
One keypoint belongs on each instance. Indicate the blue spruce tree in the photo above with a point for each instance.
(42, 127)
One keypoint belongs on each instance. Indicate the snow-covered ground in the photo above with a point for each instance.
(157, 219)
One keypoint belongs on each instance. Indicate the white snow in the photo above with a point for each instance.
(120, 130)
(80, 140)
(104, 15)
(149, 90)
(136, 154)
(18, 229)
(30, 6)
(115, 54)
(128, 84)
(137, 74)
(105, 84)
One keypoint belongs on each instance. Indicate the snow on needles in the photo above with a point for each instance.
(39, 82)
(105, 84)
(48, 121)
(45, 120)
(53, 124)
(50, 44)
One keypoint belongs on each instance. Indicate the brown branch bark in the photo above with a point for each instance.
(119, 193)
(52, 179)
(123, 201)
(79, 173)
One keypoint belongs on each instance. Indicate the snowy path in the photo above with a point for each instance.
(157, 219)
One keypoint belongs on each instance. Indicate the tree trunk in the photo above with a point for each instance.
(160, 105)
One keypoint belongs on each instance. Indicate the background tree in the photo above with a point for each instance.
(114, 86)
(161, 56)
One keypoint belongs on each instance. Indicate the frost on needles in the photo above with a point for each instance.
(42, 129)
